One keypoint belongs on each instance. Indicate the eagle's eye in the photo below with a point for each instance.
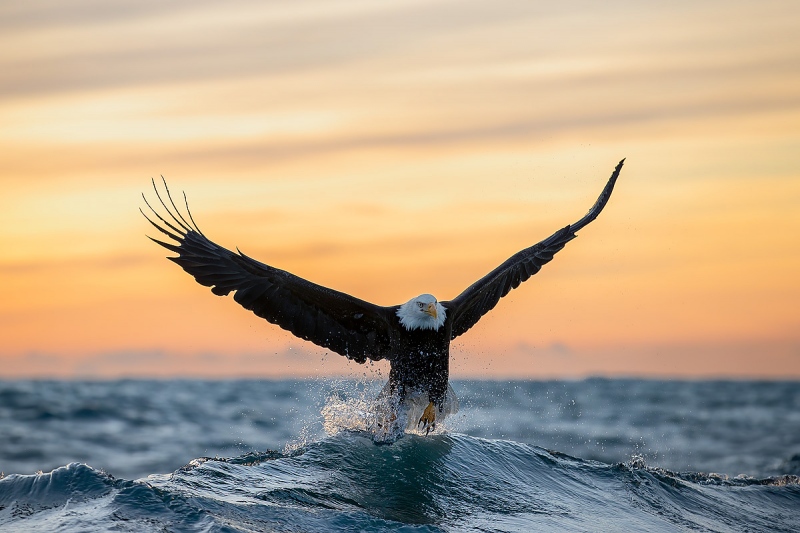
(419, 304)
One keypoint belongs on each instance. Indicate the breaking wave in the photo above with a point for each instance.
(435, 483)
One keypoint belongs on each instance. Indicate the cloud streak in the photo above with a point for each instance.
(389, 149)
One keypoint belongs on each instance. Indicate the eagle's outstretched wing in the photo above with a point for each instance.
(328, 318)
(481, 297)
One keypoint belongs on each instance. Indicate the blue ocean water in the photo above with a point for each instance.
(592, 455)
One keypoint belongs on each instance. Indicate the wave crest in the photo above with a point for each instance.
(445, 481)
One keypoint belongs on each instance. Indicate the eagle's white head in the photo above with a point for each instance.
(422, 312)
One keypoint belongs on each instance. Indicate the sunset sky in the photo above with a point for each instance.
(388, 149)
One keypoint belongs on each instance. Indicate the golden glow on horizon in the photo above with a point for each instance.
(321, 136)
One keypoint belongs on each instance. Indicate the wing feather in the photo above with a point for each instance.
(483, 295)
(342, 323)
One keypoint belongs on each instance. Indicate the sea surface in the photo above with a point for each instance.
(231, 456)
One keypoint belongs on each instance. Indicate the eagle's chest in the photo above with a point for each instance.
(424, 351)
(426, 343)
(422, 362)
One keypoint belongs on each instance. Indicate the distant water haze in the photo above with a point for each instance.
(133, 428)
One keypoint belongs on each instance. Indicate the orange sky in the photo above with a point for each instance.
(388, 149)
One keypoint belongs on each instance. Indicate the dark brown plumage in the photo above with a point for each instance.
(349, 326)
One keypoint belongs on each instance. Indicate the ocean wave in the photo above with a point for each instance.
(445, 482)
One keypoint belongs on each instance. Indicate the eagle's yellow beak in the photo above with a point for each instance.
(431, 310)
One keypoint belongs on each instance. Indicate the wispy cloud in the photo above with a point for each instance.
(394, 148)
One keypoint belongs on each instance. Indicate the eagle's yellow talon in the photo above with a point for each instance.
(428, 418)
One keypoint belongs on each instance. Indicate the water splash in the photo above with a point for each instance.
(381, 415)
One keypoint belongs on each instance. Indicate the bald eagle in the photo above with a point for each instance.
(414, 337)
